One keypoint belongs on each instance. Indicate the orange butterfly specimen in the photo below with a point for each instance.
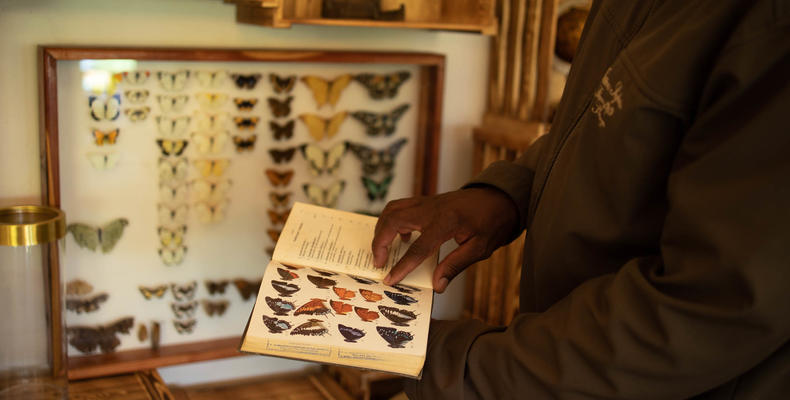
(274, 234)
(365, 314)
(279, 178)
(103, 138)
(278, 218)
(370, 295)
(280, 199)
(343, 294)
(340, 307)
(313, 307)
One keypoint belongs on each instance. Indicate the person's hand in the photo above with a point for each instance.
(479, 219)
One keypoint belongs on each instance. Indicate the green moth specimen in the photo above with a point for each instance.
(91, 237)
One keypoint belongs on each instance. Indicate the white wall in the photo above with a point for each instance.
(25, 24)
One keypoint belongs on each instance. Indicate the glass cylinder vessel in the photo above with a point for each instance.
(31, 333)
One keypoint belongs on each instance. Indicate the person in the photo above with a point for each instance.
(657, 216)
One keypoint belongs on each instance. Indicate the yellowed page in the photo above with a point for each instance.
(341, 241)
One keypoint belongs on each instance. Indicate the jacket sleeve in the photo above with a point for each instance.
(711, 305)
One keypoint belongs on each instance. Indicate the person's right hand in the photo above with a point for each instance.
(479, 219)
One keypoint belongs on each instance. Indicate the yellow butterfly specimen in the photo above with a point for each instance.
(136, 96)
(172, 238)
(212, 167)
(211, 212)
(211, 100)
(102, 138)
(277, 218)
(211, 122)
(172, 147)
(172, 103)
(172, 127)
(173, 81)
(103, 161)
(211, 79)
(151, 292)
(326, 197)
(324, 91)
(212, 192)
(174, 256)
(105, 236)
(172, 194)
(320, 160)
(320, 127)
(173, 170)
(170, 216)
(210, 142)
(137, 114)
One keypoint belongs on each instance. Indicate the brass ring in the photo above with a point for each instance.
(31, 225)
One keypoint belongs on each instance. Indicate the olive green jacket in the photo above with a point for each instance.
(657, 210)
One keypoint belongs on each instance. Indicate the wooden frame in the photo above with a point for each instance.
(430, 90)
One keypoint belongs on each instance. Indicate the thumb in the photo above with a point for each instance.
(458, 260)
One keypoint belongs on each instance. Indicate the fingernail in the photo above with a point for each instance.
(387, 279)
(443, 284)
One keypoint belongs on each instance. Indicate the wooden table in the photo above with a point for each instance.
(141, 385)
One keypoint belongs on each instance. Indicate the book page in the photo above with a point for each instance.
(341, 241)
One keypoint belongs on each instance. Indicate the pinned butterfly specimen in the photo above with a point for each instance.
(398, 316)
(383, 86)
(183, 292)
(210, 191)
(136, 77)
(150, 293)
(370, 295)
(287, 275)
(174, 256)
(344, 294)
(282, 84)
(274, 234)
(399, 298)
(169, 216)
(324, 273)
(88, 339)
(376, 123)
(247, 288)
(185, 327)
(86, 305)
(405, 288)
(216, 287)
(245, 104)
(184, 310)
(276, 325)
(142, 333)
(138, 96)
(212, 167)
(90, 237)
(172, 170)
(172, 103)
(172, 127)
(364, 281)
(171, 238)
(313, 307)
(279, 306)
(326, 197)
(394, 337)
(211, 122)
(376, 190)
(211, 79)
(102, 138)
(107, 109)
(280, 108)
(320, 127)
(277, 218)
(285, 289)
(279, 178)
(172, 194)
(215, 307)
(324, 91)
(103, 161)
(245, 81)
(340, 307)
(78, 287)
(350, 334)
(244, 144)
(377, 160)
(313, 327)
(280, 199)
(137, 114)
(321, 282)
(280, 132)
(246, 123)
(366, 315)
(211, 212)
(172, 147)
(173, 81)
(320, 160)
(210, 142)
(281, 156)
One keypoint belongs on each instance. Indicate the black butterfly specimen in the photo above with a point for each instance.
(86, 305)
(282, 155)
(377, 190)
(313, 307)
(350, 334)
(87, 339)
(321, 283)
(313, 327)
(247, 288)
(399, 298)
(285, 289)
(244, 144)
(280, 199)
(376, 123)
(183, 327)
(279, 306)
(364, 281)
(375, 160)
(184, 310)
(405, 288)
(216, 287)
(280, 108)
(150, 293)
(215, 307)
(383, 86)
(285, 131)
(394, 337)
(246, 123)
(183, 292)
(398, 316)
(279, 178)
(276, 325)
(246, 81)
(245, 104)
(287, 275)
(282, 84)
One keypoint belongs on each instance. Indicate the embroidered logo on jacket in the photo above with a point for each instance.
(608, 99)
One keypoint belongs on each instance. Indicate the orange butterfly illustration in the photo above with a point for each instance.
(278, 178)
(340, 307)
(278, 218)
(365, 314)
(343, 294)
(313, 307)
(370, 295)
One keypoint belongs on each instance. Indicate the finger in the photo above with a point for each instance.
(416, 254)
(405, 237)
(458, 260)
(386, 229)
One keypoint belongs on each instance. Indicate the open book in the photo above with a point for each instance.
(321, 298)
